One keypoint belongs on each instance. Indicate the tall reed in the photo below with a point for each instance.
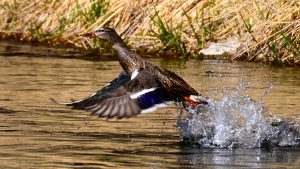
(268, 29)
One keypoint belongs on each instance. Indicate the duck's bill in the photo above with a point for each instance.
(89, 35)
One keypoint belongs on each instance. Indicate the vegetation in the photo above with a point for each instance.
(169, 36)
(269, 30)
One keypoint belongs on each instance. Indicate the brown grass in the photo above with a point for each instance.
(269, 29)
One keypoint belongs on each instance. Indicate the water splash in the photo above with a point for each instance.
(237, 121)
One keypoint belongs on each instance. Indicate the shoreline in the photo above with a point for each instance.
(268, 31)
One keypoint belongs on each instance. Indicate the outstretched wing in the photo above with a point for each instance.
(125, 97)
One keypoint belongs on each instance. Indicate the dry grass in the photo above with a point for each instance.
(270, 29)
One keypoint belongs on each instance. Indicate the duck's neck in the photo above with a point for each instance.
(128, 60)
(120, 47)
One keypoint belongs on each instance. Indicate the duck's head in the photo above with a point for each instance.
(107, 34)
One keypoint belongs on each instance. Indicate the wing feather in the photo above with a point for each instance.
(115, 99)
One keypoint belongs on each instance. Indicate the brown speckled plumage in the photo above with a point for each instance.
(142, 87)
(131, 61)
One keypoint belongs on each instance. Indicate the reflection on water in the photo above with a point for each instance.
(34, 132)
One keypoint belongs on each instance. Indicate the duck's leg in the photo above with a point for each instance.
(180, 109)
(195, 100)
(190, 101)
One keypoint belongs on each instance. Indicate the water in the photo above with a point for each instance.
(237, 122)
(36, 133)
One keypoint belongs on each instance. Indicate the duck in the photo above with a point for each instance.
(142, 87)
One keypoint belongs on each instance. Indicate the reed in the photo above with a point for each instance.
(269, 29)
(170, 36)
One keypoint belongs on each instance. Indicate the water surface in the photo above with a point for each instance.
(36, 133)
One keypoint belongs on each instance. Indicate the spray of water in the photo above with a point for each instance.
(236, 121)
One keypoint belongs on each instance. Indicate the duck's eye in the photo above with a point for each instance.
(100, 30)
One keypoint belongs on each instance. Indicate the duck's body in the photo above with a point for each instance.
(131, 62)
(142, 87)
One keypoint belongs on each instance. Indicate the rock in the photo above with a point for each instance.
(221, 50)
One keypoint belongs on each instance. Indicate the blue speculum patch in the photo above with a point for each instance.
(152, 98)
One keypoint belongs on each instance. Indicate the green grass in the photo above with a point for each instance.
(40, 35)
(169, 35)
(90, 15)
(291, 44)
(205, 29)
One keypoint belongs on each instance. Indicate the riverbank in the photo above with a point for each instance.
(267, 30)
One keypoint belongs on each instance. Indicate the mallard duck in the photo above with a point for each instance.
(142, 87)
